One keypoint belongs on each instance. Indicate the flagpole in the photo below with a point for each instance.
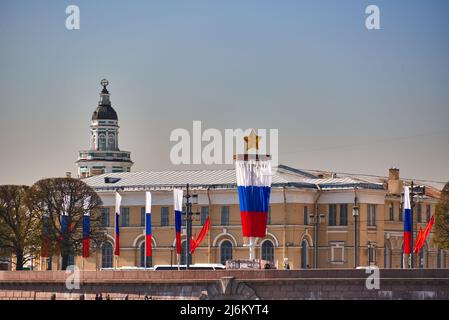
(412, 204)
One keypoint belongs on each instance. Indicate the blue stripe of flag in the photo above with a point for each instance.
(86, 226)
(407, 220)
(117, 229)
(148, 223)
(64, 223)
(178, 220)
(254, 198)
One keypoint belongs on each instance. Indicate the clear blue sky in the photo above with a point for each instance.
(343, 98)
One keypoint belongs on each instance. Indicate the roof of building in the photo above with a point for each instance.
(222, 178)
(104, 112)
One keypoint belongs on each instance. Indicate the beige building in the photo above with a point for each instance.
(310, 223)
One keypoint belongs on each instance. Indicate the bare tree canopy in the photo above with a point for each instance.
(56, 197)
(19, 225)
(442, 220)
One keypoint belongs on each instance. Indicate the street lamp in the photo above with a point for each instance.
(189, 214)
(355, 214)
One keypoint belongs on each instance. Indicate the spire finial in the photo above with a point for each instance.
(104, 83)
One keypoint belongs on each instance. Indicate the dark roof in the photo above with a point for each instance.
(104, 112)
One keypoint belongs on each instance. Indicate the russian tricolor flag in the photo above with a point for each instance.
(118, 202)
(178, 195)
(65, 217)
(254, 187)
(148, 251)
(407, 222)
(86, 229)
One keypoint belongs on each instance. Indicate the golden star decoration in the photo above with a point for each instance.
(252, 141)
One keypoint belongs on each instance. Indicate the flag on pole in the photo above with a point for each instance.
(118, 202)
(254, 187)
(407, 222)
(420, 241)
(86, 228)
(196, 242)
(45, 236)
(178, 195)
(65, 216)
(148, 249)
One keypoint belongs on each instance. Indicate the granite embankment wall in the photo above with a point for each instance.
(226, 284)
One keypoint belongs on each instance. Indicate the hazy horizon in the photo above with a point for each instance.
(344, 98)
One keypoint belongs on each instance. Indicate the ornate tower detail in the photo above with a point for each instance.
(104, 155)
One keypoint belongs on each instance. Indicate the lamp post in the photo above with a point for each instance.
(189, 214)
(355, 214)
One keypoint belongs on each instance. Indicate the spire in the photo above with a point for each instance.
(104, 95)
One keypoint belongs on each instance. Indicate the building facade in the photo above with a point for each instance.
(310, 223)
(104, 155)
(317, 219)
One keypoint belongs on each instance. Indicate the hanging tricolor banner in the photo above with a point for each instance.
(86, 228)
(118, 202)
(407, 222)
(65, 216)
(45, 236)
(254, 187)
(148, 251)
(177, 197)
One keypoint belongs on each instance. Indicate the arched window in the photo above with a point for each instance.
(387, 255)
(111, 141)
(106, 255)
(268, 250)
(304, 247)
(142, 257)
(102, 141)
(225, 251)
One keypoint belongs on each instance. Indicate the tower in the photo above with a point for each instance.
(104, 155)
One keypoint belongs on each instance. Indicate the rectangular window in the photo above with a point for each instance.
(204, 214)
(105, 217)
(372, 215)
(164, 217)
(332, 215)
(224, 216)
(125, 217)
(401, 213)
(391, 208)
(371, 254)
(428, 212)
(343, 214)
(142, 216)
(337, 253)
(419, 214)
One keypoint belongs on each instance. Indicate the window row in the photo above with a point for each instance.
(226, 248)
(165, 214)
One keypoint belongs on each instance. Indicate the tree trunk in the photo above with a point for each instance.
(19, 260)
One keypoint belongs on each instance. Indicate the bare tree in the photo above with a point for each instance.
(19, 226)
(71, 198)
(442, 219)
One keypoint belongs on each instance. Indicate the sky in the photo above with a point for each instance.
(344, 98)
